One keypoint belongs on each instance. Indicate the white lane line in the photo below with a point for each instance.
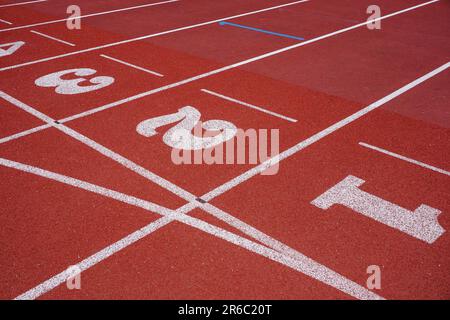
(269, 54)
(223, 69)
(268, 163)
(87, 15)
(251, 106)
(4, 21)
(302, 263)
(20, 3)
(52, 38)
(217, 192)
(94, 259)
(154, 178)
(250, 230)
(232, 183)
(101, 149)
(132, 65)
(147, 205)
(204, 75)
(398, 156)
(24, 133)
(149, 36)
(320, 135)
(233, 221)
(167, 185)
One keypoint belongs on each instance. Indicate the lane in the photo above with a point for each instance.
(314, 109)
(125, 139)
(406, 46)
(55, 10)
(343, 238)
(126, 81)
(309, 20)
(183, 66)
(52, 226)
(89, 37)
(428, 105)
(33, 46)
(8, 4)
(13, 120)
(131, 24)
(188, 94)
(180, 263)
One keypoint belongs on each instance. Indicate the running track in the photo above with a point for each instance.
(80, 187)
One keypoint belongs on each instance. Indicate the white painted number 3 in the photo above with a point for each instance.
(72, 86)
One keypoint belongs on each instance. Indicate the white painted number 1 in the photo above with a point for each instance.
(421, 223)
(180, 136)
(72, 86)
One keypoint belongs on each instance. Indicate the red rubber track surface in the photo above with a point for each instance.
(48, 225)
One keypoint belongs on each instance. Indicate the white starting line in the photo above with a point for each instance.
(20, 3)
(248, 105)
(316, 137)
(87, 15)
(4, 21)
(398, 156)
(150, 35)
(201, 76)
(342, 283)
(132, 65)
(52, 38)
(300, 263)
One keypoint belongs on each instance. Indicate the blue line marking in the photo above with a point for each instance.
(222, 23)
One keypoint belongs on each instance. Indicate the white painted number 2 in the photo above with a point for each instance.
(180, 136)
(72, 86)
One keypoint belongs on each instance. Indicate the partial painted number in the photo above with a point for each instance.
(11, 48)
(180, 136)
(72, 86)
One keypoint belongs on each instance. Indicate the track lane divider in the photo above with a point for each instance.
(301, 263)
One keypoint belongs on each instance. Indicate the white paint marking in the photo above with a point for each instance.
(287, 153)
(176, 84)
(147, 205)
(11, 48)
(4, 21)
(226, 68)
(301, 264)
(94, 259)
(320, 135)
(317, 137)
(52, 38)
(249, 105)
(252, 172)
(20, 3)
(152, 177)
(398, 156)
(101, 149)
(422, 223)
(272, 160)
(24, 133)
(87, 15)
(150, 35)
(132, 65)
(63, 86)
(240, 225)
